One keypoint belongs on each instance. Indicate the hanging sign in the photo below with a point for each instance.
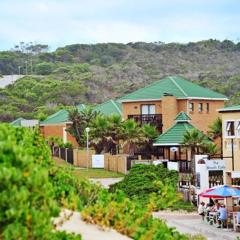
(213, 165)
(173, 149)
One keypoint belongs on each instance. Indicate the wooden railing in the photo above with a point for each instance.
(152, 119)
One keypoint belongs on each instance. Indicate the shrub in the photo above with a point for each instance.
(27, 197)
(146, 182)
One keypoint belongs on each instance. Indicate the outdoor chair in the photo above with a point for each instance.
(236, 222)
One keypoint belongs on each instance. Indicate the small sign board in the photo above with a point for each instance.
(98, 161)
(172, 165)
(213, 165)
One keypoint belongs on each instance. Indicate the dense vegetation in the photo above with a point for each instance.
(109, 134)
(28, 197)
(33, 189)
(83, 73)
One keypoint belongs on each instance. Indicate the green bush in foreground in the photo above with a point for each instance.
(27, 200)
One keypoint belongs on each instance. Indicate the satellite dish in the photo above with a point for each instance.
(173, 149)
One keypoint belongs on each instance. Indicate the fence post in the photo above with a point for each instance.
(66, 154)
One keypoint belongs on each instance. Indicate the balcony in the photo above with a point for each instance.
(152, 119)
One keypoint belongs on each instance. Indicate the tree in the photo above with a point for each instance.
(80, 120)
(193, 139)
(216, 131)
(44, 68)
(132, 135)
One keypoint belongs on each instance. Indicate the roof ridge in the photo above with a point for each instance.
(116, 106)
(177, 85)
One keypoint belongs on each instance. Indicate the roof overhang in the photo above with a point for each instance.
(54, 124)
(183, 98)
(228, 110)
(167, 144)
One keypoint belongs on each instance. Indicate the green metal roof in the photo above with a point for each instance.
(17, 122)
(174, 135)
(176, 86)
(182, 116)
(108, 108)
(230, 109)
(59, 117)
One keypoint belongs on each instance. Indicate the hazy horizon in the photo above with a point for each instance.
(60, 23)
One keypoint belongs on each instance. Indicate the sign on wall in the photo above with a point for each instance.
(98, 161)
(172, 165)
(212, 165)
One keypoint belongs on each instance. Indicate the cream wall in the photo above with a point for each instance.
(227, 150)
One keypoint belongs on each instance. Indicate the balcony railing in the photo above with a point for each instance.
(152, 119)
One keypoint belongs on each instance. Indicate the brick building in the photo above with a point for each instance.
(231, 143)
(56, 124)
(160, 102)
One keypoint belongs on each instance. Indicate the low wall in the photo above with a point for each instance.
(82, 159)
(115, 163)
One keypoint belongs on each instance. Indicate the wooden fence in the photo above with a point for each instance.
(83, 159)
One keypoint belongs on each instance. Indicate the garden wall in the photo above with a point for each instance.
(115, 163)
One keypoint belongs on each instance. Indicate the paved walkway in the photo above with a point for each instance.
(193, 224)
(105, 182)
(74, 224)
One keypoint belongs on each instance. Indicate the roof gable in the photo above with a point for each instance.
(174, 135)
(182, 116)
(176, 86)
(17, 122)
(109, 108)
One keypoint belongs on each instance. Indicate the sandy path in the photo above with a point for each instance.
(89, 231)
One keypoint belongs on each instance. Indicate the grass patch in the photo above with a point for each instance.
(89, 173)
(96, 173)
(183, 205)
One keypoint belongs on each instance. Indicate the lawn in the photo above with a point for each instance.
(89, 173)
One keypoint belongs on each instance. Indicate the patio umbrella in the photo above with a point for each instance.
(222, 191)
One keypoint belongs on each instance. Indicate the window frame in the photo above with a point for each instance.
(226, 131)
(237, 128)
(207, 107)
(191, 106)
(148, 109)
(200, 107)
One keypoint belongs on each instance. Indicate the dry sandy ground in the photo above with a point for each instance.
(105, 182)
(88, 231)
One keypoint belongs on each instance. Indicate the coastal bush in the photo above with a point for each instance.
(150, 183)
(27, 197)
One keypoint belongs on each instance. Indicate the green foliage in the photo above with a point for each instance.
(91, 73)
(44, 68)
(128, 217)
(216, 128)
(27, 196)
(150, 183)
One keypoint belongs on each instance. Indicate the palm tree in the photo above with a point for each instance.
(151, 133)
(216, 131)
(209, 148)
(99, 134)
(132, 135)
(80, 120)
(193, 139)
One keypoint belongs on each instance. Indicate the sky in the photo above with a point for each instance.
(63, 22)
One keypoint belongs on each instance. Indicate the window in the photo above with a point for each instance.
(191, 107)
(200, 107)
(148, 109)
(230, 128)
(238, 128)
(207, 107)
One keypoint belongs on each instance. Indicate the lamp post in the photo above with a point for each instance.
(19, 70)
(26, 62)
(87, 131)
